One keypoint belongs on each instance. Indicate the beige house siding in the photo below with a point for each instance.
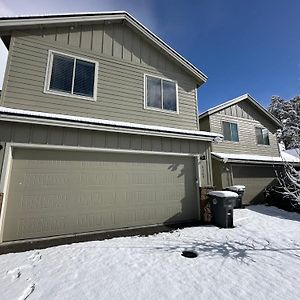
(222, 176)
(123, 56)
(247, 118)
(63, 136)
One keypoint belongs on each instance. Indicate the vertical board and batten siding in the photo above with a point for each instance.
(64, 136)
(124, 57)
(247, 117)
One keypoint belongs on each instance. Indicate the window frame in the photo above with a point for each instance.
(257, 142)
(47, 89)
(237, 126)
(160, 109)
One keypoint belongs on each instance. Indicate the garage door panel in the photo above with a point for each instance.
(66, 192)
(256, 179)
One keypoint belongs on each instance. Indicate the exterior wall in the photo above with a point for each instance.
(124, 56)
(247, 117)
(222, 174)
(64, 136)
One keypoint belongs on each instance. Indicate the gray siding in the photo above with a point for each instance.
(64, 136)
(247, 117)
(124, 57)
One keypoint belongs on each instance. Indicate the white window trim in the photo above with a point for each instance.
(160, 109)
(47, 89)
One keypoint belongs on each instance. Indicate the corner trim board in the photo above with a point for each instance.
(4, 183)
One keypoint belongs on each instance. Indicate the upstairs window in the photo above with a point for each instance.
(262, 136)
(161, 94)
(73, 76)
(230, 132)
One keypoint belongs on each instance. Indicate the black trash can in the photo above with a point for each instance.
(240, 190)
(221, 205)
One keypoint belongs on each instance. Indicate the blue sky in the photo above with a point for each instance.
(243, 46)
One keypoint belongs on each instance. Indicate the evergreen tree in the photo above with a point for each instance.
(288, 112)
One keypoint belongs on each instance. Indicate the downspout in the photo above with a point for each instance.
(197, 118)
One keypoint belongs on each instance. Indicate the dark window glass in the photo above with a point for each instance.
(154, 92)
(169, 95)
(234, 132)
(62, 74)
(226, 131)
(259, 136)
(84, 78)
(230, 132)
(262, 136)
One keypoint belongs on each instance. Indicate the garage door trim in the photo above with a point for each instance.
(7, 166)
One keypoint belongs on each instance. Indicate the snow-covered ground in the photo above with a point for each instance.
(258, 259)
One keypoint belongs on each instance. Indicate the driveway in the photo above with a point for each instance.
(258, 259)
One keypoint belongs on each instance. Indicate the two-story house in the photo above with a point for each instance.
(98, 128)
(249, 154)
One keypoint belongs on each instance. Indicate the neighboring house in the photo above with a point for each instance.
(249, 154)
(98, 128)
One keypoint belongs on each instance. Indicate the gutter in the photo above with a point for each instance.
(248, 161)
(59, 120)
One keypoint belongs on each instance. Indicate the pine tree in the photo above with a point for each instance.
(288, 112)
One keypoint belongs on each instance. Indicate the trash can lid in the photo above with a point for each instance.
(236, 188)
(223, 194)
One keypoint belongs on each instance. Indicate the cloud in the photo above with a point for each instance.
(5, 10)
(142, 10)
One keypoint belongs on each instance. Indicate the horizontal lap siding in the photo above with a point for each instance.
(51, 135)
(247, 119)
(120, 87)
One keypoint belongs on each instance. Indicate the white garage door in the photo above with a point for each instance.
(65, 192)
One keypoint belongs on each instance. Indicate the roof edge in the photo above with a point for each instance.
(233, 101)
(57, 119)
(252, 159)
(98, 16)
